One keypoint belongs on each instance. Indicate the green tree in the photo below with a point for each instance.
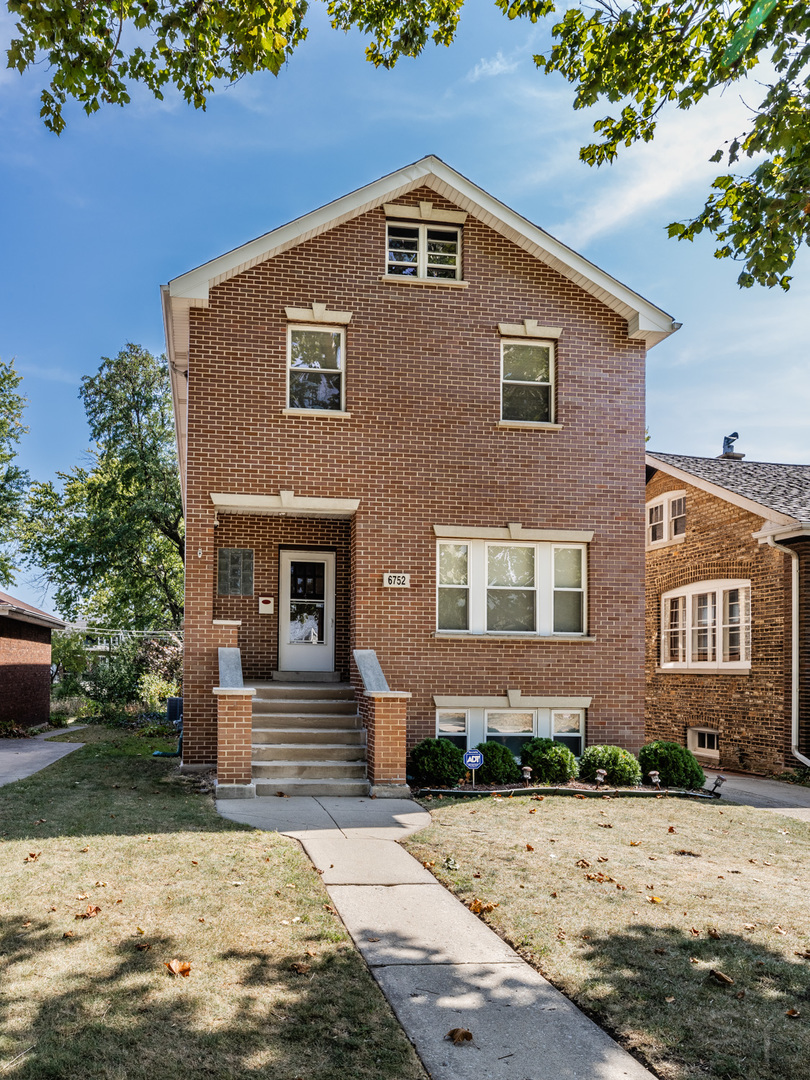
(13, 479)
(109, 539)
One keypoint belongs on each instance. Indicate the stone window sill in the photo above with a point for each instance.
(525, 639)
(447, 283)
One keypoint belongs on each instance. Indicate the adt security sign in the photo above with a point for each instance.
(473, 759)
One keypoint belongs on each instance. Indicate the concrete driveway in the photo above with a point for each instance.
(24, 757)
(775, 795)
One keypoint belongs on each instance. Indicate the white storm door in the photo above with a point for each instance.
(306, 611)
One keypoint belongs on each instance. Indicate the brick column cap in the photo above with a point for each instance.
(234, 691)
(226, 622)
(402, 695)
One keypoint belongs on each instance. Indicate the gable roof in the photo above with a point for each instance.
(645, 321)
(779, 492)
(12, 608)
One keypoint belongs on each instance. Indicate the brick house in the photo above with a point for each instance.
(25, 662)
(409, 427)
(728, 609)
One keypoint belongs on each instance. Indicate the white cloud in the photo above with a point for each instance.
(497, 65)
(48, 374)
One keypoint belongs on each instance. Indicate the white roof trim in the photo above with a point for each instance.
(513, 531)
(285, 503)
(21, 614)
(718, 490)
(513, 699)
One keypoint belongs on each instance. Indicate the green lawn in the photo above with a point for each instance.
(276, 990)
(629, 905)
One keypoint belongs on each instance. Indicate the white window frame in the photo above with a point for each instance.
(542, 721)
(688, 627)
(544, 588)
(445, 735)
(664, 503)
(316, 328)
(692, 738)
(552, 369)
(422, 264)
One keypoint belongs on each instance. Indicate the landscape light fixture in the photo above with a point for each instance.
(600, 776)
(718, 783)
(655, 779)
(527, 774)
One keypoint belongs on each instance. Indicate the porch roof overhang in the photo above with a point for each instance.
(286, 504)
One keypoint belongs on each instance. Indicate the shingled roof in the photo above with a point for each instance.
(782, 488)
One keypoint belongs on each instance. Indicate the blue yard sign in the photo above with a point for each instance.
(473, 759)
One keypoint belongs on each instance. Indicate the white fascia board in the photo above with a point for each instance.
(286, 503)
(10, 611)
(497, 701)
(514, 533)
(645, 320)
(720, 492)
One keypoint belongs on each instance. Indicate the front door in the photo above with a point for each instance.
(306, 611)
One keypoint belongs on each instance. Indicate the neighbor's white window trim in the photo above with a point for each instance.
(692, 742)
(325, 328)
(665, 503)
(422, 252)
(551, 345)
(686, 594)
(544, 589)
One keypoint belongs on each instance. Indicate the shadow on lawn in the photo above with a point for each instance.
(135, 1021)
(735, 1030)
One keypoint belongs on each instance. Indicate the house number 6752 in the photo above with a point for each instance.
(397, 581)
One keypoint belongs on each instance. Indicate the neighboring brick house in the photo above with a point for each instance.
(728, 609)
(25, 662)
(409, 424)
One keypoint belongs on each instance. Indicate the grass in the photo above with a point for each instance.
(111, 827)
(704, 887)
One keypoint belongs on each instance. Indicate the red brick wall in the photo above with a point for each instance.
(25, 672)
(751, 710)
(385, 721)
(422, 446)
(234, 722)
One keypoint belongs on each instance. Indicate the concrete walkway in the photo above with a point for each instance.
(24, 757)
(775, 795)
(438, 965)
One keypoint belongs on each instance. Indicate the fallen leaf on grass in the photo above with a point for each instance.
(778, 929)
(179, 967)
(655, 900)
(32, 856)
(803, 955)
(583, 864)
(720, 977)
(672, 829)
(51, 909)
(330, 909)
(529, 847)
(579, 796)
(713, 932)
(40, 821)
(602, 858)
(27, 923)
(237, 883)
(143, 946)
(669, 1000)
(477, 873)
(194, 862)
(635, 843)
(67, 933)
(538, 798)
(661, 952)
(693, 960)
(600, 878)
(100, 885)
(82, 896)
(604, 825)
(477, 906)
(554, 895)
(653, 858)
(300, 968)
(533, 810)
(90, 913)
(740, 995)
(694, 932)
(793, 1013)
(84, 849)
(685, 851)
(459, 1035)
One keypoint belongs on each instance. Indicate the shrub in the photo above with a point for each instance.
(154, 690)
(437, 762)
(113, 680)
(551, 762)
(676, 764)
(621, 766)
(499, 765)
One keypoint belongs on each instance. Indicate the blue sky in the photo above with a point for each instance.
(96, 219)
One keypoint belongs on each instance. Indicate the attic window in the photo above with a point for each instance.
(423, 251)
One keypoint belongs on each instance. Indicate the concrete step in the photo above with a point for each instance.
(306, 720)
(302, 690)
(293, 786)
(304, 705)
(309, 770)
(306, 676)
(308, 752)
(305, 735)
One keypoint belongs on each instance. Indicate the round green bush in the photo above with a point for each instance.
(676, 764)
(551, 762)
(437, 763)
(620, 765)
(499, 765)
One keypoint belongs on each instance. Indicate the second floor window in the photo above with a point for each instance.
(423, 251)
(666, 519)
(707, 626)
(315, 368)
(527, 381)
